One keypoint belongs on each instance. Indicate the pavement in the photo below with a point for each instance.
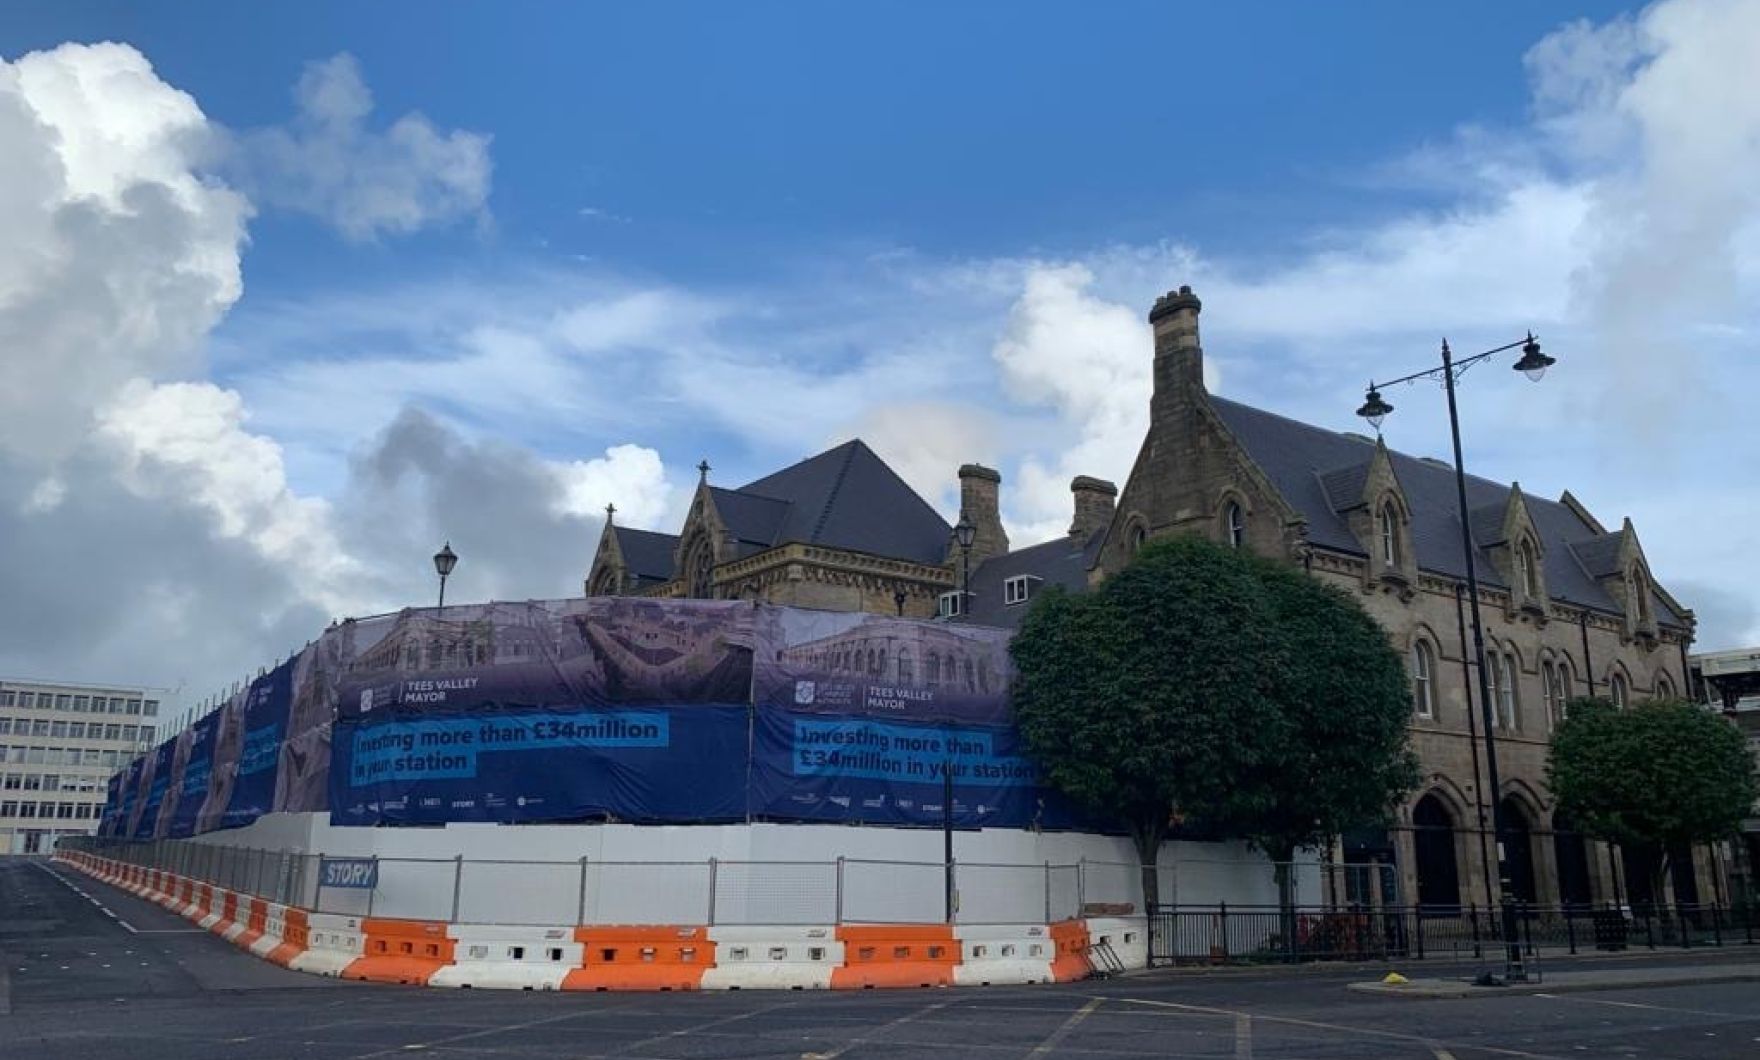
(102, 974)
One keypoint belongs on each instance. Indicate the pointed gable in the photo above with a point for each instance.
(845, 497)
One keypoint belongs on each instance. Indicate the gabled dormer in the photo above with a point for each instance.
(1515, 548)
(1372, 501)
(609, 574)
(1617, 561)
(703, 544)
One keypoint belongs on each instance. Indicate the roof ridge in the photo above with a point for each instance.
(853, 446)
(1363, 440)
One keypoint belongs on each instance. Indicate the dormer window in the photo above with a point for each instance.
(1234, 525)
(1388, 527)
(947, 605)
(1018, 589)
(1530, 571)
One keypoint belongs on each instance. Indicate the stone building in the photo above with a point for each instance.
(1570, 608)
(839, 531)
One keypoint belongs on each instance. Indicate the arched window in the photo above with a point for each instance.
(1423, 680)
(1530, 569)
(1664, 687)
(1510, 702)
(1137, 537)
(906, 673)
(880, 664)
(1567, 689)
(1389, 528)
(1234, 525)
(1617, 690)
(701, 572)
(1549, 691)
(934, 674)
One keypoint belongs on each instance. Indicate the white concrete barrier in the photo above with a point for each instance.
(773, 958)
(491, 956)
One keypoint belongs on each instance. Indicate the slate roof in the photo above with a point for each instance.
(646, 555)
(1061, 561)
(1302, 460)
(845, 497)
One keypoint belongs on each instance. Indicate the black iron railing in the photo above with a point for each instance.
(1260, 934)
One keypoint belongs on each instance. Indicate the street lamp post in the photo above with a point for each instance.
(1375, 409)
(964, 533)
(444, 561)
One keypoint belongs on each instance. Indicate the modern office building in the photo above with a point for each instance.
(59, 744)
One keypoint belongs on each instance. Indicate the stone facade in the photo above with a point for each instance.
(1204, 468)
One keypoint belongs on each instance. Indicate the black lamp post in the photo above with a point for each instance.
(444, 561)
(964, 533)
(1375, 409)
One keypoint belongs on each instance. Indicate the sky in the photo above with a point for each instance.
(292, 294)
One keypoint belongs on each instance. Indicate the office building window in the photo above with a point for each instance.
(151, 709)
(5, 726)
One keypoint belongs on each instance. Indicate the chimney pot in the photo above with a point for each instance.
(1095, 502)
(980, 490)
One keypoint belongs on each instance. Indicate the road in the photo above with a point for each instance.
(103, 974)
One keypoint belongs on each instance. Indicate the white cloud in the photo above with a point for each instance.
(119, 258)
(364, 182)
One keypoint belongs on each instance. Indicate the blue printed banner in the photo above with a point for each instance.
(247, 745)
(192, 767)
(647, 764)
(859, 769)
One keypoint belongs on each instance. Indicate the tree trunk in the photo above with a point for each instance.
(1281, 857)
(1147, 835)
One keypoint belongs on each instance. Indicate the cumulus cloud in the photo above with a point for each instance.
(523, 527)
(119, 257)
(152, 530)
(365, 182)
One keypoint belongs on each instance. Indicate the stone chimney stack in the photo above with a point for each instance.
(1179, 357)
(979, 498)
(1096, 500)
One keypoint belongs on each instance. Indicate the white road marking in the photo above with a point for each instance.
(863, 1039)
(1243, 1037)
(1640, 1005)
(1433, 1043)
(101, 907)
(1057, 1036)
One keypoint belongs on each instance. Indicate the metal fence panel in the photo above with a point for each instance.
(647, 892)
(776, 892)
(893, 892)
(519, 892)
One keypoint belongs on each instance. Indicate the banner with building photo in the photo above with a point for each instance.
(179, 745)
(591, 652)
(525, 764)
(248, 733)
(110, 819)
(862, 769)
(192, 773)
(879, 666)
(155, 778)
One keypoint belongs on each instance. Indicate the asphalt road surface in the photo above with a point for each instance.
(89, 972)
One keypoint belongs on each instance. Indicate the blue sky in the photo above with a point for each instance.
(421, 256)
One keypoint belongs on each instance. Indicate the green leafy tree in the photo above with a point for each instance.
(1205, 684)
(1658, 777)
(1340, 755)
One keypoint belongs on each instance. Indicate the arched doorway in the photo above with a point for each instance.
(1518, 851)
(1439, 880)
(1572, 854)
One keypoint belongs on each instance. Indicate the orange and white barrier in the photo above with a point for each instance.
(634, 957)
(641, 957)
